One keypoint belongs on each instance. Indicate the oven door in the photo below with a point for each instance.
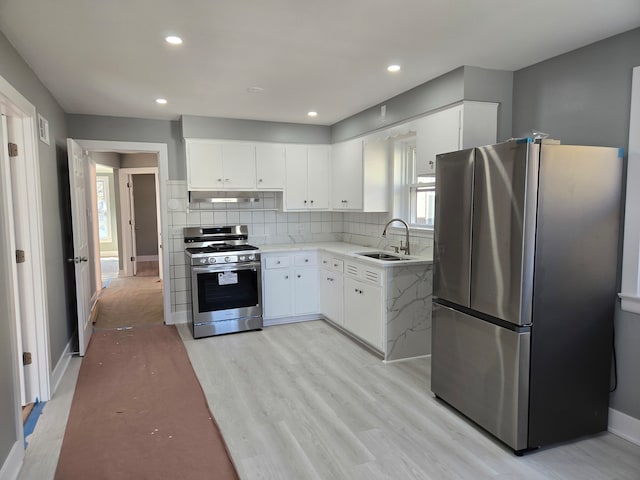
(226, 292)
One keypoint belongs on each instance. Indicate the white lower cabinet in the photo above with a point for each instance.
(363, 311)
(290, 285)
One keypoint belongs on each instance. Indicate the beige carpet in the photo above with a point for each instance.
(138, 412)
(130, 302)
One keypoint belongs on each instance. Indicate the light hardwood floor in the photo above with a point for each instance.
(302, 401)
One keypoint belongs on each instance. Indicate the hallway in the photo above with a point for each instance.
(132, 301)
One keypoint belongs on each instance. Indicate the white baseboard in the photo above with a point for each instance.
(147, 258)
(624, 426)
(60, 368)
(13, 463)
(405, 359)
(175, 318)
(284, 320)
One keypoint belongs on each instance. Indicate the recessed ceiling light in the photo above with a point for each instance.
(255, 89)
(393, 68)
(173, 40)
(161, 101)
(312, 114)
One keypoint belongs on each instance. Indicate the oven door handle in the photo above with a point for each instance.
(225, 268)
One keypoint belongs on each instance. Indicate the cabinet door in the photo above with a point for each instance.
(204, 166)
(270, 166)
(277, 293)
(437, 133)
(295, 193)
(331, 295)
(305, 293)
(347, 175)
(319, 170)
(363, 311)
(239, 166)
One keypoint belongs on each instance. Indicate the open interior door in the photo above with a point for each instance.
(132, 226)
(80, 215)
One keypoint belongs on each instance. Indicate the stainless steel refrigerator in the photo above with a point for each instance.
(525, 268)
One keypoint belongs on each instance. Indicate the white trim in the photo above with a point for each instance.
(181, 316)
(630, 291)
(270, 322)
(61, 367)
(37, 293)
(405, 359)
(630, 303)
(12, 465)
(624, 426)
(163, 177)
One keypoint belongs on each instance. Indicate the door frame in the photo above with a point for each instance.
(29, 201)
(161, 151)
(126, 207)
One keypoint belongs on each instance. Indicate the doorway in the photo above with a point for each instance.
(133, 158)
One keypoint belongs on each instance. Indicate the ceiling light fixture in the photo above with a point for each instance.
(255, 90)
(173, 40)
(393, 68)
(161, 101)
(312, 114)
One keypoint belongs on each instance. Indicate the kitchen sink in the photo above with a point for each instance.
(387, 257)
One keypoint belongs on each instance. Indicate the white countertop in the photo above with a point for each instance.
(348, 250)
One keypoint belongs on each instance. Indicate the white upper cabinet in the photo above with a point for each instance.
(215, 165)
(270, 166)
(464, 126)
(307, 177)
(360, 176)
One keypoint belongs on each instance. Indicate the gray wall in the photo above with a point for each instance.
(464, 83)
(61, 321)
(144, 204)
(253, 130)
(121, 129)
(584, 97)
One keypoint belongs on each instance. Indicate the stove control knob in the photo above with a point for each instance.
(227, 259)
(252, 257)
(203, 260)
(242, 258)
(212, 259)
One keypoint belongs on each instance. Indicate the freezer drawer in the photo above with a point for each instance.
(482, 370)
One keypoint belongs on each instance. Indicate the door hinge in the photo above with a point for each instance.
(26, 358)
(130, 222)
(133, 259)
(20, 256)
(128, 185)
(13, 149)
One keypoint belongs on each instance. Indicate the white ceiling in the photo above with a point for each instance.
(108, 57)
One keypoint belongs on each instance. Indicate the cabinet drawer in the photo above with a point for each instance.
(332, 263)
(363, 272)
(305, 259)
(276, 262)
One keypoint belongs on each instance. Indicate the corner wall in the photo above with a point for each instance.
(584, 97)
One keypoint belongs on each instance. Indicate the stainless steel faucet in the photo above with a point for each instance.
(406, 228)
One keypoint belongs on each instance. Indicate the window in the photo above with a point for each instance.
(104, 212)
(414, 195)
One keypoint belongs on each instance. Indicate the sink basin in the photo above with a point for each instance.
(387, 257)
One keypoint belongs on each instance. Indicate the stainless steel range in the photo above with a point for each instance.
(225, 280)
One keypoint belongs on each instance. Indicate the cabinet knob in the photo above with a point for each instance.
(278, 262)
(259, 180)
(226, 179)
(299, 276)
(311, 201)
(286, 277)
(219, 179)
(305, 202)
(306, 259)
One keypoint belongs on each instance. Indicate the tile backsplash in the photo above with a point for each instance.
(268, 224)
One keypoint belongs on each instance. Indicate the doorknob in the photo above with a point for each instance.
(77, 259)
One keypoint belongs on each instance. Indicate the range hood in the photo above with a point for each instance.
(223, 197)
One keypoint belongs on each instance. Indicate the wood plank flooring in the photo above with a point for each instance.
(302, 401)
